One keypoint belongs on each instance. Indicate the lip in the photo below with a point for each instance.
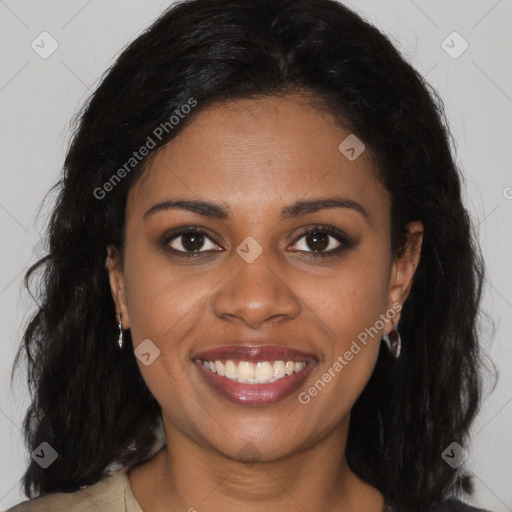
(255, 353)
(255, 394)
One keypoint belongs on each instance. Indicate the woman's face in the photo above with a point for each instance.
(254, 278)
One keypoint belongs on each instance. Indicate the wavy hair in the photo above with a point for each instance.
(88, 399)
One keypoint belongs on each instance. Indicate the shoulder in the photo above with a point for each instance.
(112, 493)
(450, 505)
(453, 505)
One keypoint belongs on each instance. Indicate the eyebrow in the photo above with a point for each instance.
(222, 212)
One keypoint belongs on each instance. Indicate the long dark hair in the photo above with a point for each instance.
(89, 401)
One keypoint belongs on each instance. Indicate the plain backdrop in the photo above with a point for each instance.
(38, 97)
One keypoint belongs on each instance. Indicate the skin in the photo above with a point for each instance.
(255, 157)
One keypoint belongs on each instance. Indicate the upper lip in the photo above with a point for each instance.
(254, 353)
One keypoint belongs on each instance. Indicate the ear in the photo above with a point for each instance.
(402, 272)
(117, 285)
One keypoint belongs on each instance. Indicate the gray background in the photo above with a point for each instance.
(39, 96)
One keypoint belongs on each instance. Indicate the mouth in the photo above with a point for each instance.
(254, 375)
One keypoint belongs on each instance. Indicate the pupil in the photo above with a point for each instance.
(320, 240)
(192, 241)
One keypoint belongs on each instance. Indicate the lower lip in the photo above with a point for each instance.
(255, 394)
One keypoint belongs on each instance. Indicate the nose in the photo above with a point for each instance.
(256, 293)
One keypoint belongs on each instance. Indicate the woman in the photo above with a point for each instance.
(257, 195)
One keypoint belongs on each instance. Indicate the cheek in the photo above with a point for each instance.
(166, 304)
(349, 299)
(348, 306)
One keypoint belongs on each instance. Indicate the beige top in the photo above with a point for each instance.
(112, 494)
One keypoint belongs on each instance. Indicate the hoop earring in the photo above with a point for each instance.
(120, 339)
(393, 342)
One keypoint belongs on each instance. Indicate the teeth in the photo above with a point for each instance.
(298, 366)
(220, 368)
(245, 371)
(279, 369)
(230, 370)
(263, 371)
(254, 373)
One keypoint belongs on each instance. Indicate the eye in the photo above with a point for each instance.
(192, 241)
(189, 241)
(323, 241)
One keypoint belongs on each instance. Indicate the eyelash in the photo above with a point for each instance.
(345, 241)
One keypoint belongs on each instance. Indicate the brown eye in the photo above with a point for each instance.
(190, 241)
(324, 241)
(318, 240)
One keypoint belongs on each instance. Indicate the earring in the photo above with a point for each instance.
(393, 342)
(120, 327)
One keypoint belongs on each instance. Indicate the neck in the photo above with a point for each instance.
(187, 476)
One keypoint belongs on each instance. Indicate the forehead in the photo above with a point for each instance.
(255, 153)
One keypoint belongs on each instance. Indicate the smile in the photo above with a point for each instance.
(254, 373)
